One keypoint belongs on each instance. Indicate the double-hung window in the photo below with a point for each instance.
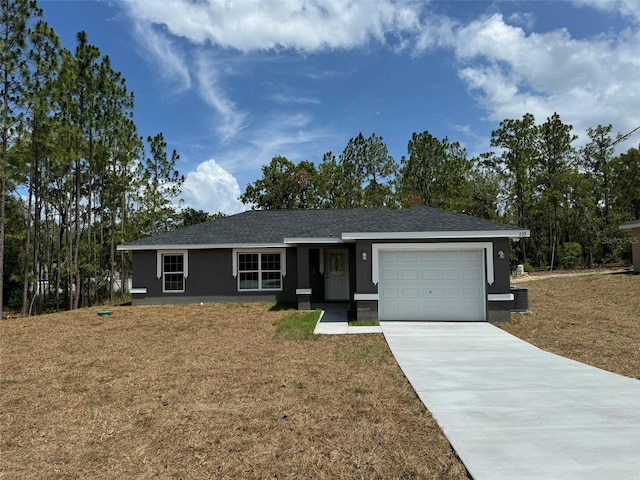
(259, 271)
(173, 272)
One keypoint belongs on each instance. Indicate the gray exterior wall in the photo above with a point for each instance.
(210, 280)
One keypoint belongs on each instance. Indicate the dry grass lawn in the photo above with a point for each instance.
(195, 392)
(594, 319)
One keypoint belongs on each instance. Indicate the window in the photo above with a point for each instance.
(173, 273)
(259, 271)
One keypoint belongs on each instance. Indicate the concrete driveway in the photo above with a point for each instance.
(513, 411)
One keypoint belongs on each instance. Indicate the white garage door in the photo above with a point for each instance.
(446, 285)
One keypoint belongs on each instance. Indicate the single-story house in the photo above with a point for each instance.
(415, 264)
(634, 227)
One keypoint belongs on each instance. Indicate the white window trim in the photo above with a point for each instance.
(486, 246)
(283, 267)
(185, 273)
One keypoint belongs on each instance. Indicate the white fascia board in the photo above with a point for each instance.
(629, 226)
(296, 241)
(500, 297)
(439, 235)
(486, 246)
(201, 246)
(365, 296)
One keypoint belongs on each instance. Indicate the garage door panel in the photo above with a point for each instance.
(471, 292)
(410, 293)
(389, 292)
(448, 256)
(450, 293)
(408, 257)
(388, 274)
(388, 257)
(432, 285)
(450, 274)
(468, 274)
(430, 275)
(409, 274)
(470, 255)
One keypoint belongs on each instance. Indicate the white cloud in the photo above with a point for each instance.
(286, 99)
(626, 8)
(587, 81)
(162, 51)
(231, 119)
(213, 189)
(305, 26)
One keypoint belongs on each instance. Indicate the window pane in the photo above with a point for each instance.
(249, 281)
(270, 261)
(173, 282)
(247, 261)
(271, 280)
(173, 263)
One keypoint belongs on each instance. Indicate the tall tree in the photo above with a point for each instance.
(161, 183)
(555, 161)
(43, 60)
(284, 185)
(625, 170)
(367, 171)
(15, 18)
(435, 174)
(596, 160)
(516, 138)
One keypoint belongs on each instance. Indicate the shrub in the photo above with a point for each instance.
(570, 254)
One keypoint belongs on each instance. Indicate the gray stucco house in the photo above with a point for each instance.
(634, 228)
(415, 264)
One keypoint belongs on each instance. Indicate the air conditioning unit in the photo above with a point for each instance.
(521, 299)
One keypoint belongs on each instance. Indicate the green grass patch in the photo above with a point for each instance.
(298, 326)
(364, 323)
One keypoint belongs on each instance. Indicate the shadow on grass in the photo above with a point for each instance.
(280, 306)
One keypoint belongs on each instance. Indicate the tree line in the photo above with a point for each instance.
(76, 178)
(571, 199)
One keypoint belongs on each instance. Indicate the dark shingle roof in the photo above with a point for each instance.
(273, 226)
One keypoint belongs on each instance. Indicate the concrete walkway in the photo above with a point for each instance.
(513, 411)
(336, 322)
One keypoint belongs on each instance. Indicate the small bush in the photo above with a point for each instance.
(570, 254)
(298, 326)
(528, 268)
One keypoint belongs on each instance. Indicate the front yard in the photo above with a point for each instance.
(214, 391)
(594, 319)
(210, 391)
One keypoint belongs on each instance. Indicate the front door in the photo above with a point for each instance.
(336, 274)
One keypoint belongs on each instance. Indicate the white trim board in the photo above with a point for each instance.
(208, 246)
(322, 241)
(445, 235)
(365, 296)
(500, 297)
(630, 226)
(486, 246)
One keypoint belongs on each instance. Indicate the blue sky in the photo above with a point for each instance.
(233, 83)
